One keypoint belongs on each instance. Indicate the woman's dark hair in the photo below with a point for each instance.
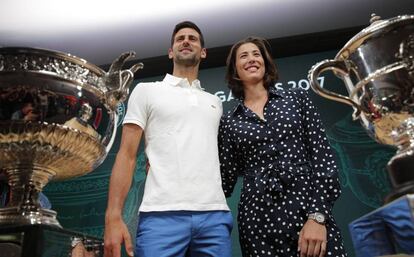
(233, 80)
(187, 24)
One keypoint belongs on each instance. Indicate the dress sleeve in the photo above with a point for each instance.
(325, 181)
(230, 161)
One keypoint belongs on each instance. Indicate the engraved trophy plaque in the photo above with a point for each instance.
(58, 116)
(377, 68)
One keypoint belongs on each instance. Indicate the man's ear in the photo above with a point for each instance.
(203, 53)
(170, 53)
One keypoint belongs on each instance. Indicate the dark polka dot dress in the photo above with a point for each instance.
(288, 171)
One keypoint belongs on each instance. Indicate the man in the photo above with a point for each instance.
(26, 113)
(184, 211)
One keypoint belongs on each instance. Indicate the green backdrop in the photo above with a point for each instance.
(81, 202)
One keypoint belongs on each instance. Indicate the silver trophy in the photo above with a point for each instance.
(377, 68)
(58, 117)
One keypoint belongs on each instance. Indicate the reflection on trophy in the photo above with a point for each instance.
(57, 121)
(377, 68)
(81, 122)
(82, 247)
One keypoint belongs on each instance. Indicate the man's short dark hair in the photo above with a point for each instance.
(187, 24)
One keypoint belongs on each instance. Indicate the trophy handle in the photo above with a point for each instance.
(118, 81)
(340, 68)
(126, 77)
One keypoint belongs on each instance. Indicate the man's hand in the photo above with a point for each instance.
(312, 240)
(116, 233)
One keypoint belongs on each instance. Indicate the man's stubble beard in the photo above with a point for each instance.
(187, 61)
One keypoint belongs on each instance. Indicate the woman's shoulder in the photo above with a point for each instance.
(232, 111)
(228, 118)
(298, 94)
(227, 115)
(295, 91)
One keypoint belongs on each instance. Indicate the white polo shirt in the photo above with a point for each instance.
(180, 122)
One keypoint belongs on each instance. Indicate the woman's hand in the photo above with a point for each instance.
(312, 240)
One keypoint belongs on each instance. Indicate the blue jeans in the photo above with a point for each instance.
(184, 234)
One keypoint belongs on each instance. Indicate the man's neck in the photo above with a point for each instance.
(190, 73)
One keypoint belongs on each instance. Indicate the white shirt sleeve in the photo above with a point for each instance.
(137, 106)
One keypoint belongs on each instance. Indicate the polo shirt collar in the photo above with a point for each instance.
(181, 82)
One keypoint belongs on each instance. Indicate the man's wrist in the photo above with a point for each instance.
(112, 215)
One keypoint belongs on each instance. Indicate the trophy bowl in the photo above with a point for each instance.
(377, 68)
(58, 116)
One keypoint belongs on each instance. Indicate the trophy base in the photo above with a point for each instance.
(16, 216)
(396, 193)
(46, 241)
(401, 171)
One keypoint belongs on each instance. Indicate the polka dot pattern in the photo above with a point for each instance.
(289, 171)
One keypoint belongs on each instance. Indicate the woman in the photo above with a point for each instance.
(275, 139)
